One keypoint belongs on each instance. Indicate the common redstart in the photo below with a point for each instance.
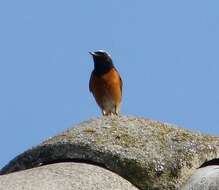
(105, 83)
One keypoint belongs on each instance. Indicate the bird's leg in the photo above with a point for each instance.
(104, 112)
(117, 109)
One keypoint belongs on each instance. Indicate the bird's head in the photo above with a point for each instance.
(102, 61)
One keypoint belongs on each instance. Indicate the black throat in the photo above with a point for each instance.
(102, 66)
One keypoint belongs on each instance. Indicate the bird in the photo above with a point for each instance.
(105, 83)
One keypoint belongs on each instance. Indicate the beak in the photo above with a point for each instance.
(92, 53)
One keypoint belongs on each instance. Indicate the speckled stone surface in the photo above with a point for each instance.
(150, 154)
(65, 176)
(206, 178)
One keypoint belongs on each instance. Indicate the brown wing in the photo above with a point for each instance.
(96, 87)
(91, 82)
(121, 84)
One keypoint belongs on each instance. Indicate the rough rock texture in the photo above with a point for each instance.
(65, 176)
(150, 154)
(206, 178)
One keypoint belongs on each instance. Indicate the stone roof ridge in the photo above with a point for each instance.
(149, 154)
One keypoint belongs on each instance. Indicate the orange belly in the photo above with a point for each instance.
(107, 91)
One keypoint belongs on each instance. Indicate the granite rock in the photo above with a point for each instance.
(150, 154)
(65, 176)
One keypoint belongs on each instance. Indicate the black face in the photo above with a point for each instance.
(102, 62)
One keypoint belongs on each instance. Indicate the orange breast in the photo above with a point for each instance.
(106, 88)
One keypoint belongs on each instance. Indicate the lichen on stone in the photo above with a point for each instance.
(150, 154)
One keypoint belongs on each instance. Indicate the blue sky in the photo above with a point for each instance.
(167, 53)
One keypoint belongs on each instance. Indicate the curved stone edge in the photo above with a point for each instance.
(65, 152)
(65, 176)
(204, 178)
(212, 162)
(128, 168)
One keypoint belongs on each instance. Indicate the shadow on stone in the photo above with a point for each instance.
(149, 154)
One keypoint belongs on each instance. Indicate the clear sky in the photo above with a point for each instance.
(167, 53)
